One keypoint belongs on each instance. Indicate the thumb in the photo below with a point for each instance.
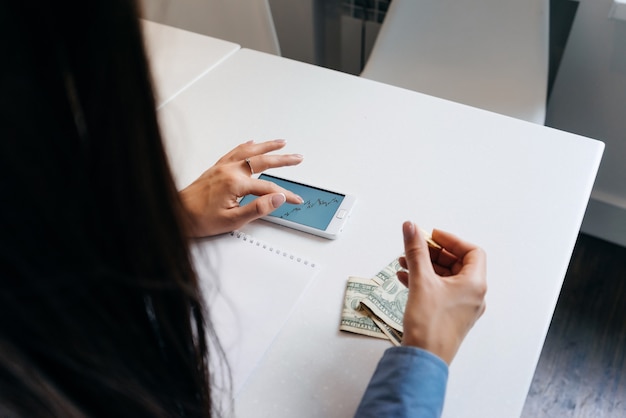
(416, 251)
(261, 206)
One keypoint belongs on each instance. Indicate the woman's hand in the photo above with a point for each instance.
(211, 200)
(446, 291)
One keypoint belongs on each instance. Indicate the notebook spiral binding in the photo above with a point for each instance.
(270, 248)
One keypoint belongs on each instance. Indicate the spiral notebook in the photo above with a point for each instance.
(251, 288)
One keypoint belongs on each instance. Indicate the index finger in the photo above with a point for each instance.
(475, 261)
(453, 244)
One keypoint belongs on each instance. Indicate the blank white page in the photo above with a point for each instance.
(251, 288)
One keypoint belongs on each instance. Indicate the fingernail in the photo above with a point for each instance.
(408, 229)
(298, 156)
(280, 141)
(300, 199)
(278, 200)
(250, 141)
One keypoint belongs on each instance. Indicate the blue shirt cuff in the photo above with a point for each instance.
(408, 382)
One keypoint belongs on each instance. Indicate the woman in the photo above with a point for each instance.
(100, 313)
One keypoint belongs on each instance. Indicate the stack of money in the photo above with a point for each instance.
(375, 307)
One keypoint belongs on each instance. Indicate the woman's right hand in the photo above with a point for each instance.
(447, 290)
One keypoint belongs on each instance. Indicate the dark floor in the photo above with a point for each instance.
(582, 369)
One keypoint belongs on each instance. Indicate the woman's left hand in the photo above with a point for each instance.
(212, 200)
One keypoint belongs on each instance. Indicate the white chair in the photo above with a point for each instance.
(491, 54)
(245, 22)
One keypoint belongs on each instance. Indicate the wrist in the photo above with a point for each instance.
(434, 346)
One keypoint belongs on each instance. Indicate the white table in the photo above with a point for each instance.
(178, 57)
(517, 189)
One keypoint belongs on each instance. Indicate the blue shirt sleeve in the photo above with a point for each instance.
(408, 382)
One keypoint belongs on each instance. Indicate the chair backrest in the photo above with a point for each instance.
(491, 54)
(245, 22)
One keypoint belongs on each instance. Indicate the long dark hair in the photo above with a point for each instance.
(100, 312)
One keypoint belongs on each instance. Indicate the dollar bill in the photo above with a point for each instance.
(376, 306)
(394, 336)
(387, 301)
(353, 317)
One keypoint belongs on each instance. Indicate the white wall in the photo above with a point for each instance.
(589, 98)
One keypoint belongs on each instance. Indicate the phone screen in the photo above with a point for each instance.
(318, 208)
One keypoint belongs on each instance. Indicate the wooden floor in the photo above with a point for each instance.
(582, 369)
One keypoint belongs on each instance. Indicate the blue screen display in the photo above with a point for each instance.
(318, 208)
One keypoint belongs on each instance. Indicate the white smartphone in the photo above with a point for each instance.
(323, 213)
